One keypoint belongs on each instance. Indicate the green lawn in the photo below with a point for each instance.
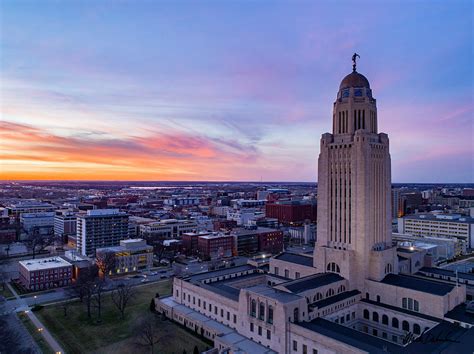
(37, 336)
(78, 334)
(6, 293)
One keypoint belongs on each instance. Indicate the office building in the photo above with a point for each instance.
(439, 225)
(169, 228)
(215, 246)
(100, 228)
(292, 211)
(28, 206)
(130, 256)
(253, 240)
(65, 223)
(41, 223)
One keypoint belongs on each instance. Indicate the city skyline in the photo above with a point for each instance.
(220, 92)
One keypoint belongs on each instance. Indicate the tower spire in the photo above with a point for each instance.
(354, 63)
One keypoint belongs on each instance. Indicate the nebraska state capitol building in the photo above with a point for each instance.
(347, 297)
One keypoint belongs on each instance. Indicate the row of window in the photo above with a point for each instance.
(209, 307)
(410, 304)
(395, 323)
(269, 333)
(304, 348)
(287, 273)
(261, 311)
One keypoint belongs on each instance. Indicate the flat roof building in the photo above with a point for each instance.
(439, 225)
(100, 228)
(45, 273)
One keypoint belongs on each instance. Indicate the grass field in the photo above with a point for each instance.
(6, 293)
(78, 334)
(43, 345)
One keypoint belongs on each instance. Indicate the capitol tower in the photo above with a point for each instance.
(354, 184)
(357, 292)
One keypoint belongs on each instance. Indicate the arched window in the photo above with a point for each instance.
(253, 308)
(341, 289)
(385, 320)
(395, 322)
(366, 314)
(333, 267)
(416, 329)
(378, 298)
(319, 296)
(416, 306)
(261, 311)
(270, 314)
(330, 292)
(375, 316)
(296, 315)
(406, 326)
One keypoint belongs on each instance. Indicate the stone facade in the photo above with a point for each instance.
(348, 296)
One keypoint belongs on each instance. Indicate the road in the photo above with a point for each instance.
(24, 304)
(61, 294)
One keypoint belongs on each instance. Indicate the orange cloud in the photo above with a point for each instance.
(27, 152)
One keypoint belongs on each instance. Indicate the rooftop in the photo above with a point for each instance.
(402, 310)
(44, 263)
(333, 299)
(448, 273)
(457, 218)
(268, 291)
(295, 258)
(252, 231)
(312, 282)
(460, 314)
(418, 284)
(446, 337)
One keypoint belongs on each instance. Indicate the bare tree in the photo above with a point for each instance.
(97, 296)
(85, 286)
(105, 262)
(38, 243)
(121, 296)
(147, 333)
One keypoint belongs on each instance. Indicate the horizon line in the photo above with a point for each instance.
(197, 181)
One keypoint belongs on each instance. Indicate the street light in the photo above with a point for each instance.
(35, 299)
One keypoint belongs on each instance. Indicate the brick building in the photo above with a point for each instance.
(292, 211)
(214, 246)
(45, 273)
(253, 240)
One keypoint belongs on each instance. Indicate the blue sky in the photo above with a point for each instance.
(229, 90)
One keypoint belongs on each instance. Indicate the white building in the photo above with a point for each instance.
(29, 206)
(447, 248)
(65, 223)
(130, 256)
(42, 222)
(100, 228)
(244, 216)
(170, 228)
(348, 296)
(439, 225)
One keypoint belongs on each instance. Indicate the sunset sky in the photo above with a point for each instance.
(228, 90)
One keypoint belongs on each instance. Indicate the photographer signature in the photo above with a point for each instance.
(426, 338)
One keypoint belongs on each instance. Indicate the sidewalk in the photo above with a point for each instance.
(44, 331)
